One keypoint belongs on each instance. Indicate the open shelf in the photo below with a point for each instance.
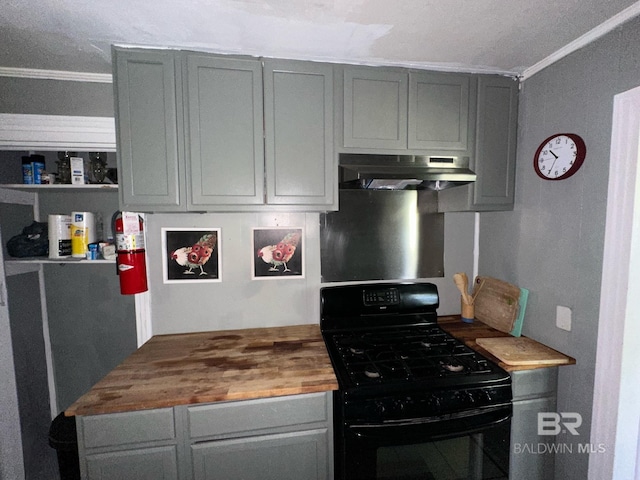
(16, 266)
(60, 186)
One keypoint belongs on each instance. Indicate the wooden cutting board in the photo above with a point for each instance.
(522, 351)
(496, 303)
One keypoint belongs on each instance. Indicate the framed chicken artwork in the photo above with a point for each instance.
(278, 252)
(191, 255)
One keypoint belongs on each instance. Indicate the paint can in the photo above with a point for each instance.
(59, 236)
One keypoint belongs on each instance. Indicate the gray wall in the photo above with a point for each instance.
(55, 97)
(47, 97)
(29, 358)
(240, 302)
(552, 243)
(12, 218)
(92, 327)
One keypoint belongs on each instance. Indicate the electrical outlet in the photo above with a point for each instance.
(563, 318)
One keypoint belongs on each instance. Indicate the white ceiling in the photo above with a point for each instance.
(501, 36)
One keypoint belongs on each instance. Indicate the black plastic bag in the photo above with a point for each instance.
(32, 242)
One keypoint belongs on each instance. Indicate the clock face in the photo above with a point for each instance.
(559, 156)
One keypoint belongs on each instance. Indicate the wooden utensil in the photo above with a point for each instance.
(462, 282)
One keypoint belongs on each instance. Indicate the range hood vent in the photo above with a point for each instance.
(403, 172)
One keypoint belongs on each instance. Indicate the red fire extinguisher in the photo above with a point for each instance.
(128, 230)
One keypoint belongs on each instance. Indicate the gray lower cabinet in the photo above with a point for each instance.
(285, 456)
(272, 438)
(159, 463)
(534, 391)
(129, 446)
(203, 132)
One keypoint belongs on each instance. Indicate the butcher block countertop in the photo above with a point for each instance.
(469, 332)
(205, 367)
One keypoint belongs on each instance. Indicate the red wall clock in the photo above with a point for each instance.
(559, 156)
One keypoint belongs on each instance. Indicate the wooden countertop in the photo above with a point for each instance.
(204, 367)
(468, 332)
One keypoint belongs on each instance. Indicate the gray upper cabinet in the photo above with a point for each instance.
(438, 111)
(496, 143)
(495, 150)
(224, 138)
(147, 103)
(300, 161)
(224, 123)
(375, 108)
(400, 110)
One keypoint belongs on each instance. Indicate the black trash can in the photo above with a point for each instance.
(62, 437)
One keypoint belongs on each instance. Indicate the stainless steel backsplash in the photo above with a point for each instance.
(382, 235)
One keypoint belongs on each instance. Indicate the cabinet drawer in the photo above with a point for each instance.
(228, 418)
(144, 464)
(540, 382)
(288, 456)
(131, 427)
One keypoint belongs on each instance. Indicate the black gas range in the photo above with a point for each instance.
(407, 384)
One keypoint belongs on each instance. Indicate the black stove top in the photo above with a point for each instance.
(386, 336)
(405, 354)
(407, 357)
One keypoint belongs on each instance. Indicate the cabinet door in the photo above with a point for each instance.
(288, 456)
(524, 435)
(496, 143)
(225, 147)
(375, 108)
(147, 128)
(438, 111)
(159, 463)
(534, 391)
(301, 166)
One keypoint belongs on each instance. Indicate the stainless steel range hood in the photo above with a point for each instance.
(403, 172)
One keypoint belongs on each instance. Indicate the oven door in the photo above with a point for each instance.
(474, 447)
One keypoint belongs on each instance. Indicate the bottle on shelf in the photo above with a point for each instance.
(98, 165)
(64, 166)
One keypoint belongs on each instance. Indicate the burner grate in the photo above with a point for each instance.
(411, 354)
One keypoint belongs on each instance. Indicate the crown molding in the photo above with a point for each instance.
(56, 75)
(56, 132)
(587, 38)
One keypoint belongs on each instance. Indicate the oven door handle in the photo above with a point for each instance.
(430, 429)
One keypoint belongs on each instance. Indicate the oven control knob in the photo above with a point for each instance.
(485, 395)
(465, 397)
(395, 406)
(433, 402)
(381, 409)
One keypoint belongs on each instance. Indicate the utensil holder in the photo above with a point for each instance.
(467, 311)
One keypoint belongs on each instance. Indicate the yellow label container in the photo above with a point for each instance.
(83, 232)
